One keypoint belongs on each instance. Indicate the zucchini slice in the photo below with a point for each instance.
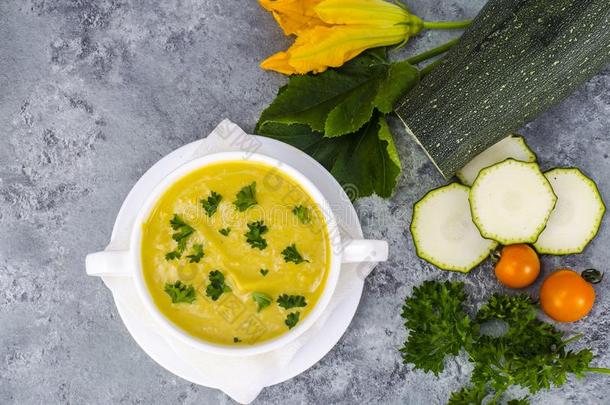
(443, 232)
(511, 202)
(576, 219)
(513, 146)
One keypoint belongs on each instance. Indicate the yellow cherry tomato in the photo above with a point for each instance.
(566, 297)
(518, 266)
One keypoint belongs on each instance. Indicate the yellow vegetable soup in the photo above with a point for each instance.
(235, 253)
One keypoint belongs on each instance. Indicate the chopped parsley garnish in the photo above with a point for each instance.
(264, 271)
(177, 253)
(210, 205)
(291, 301)
(197, 254)
(254, 235)
(291, 254)
(236, 340)
(225, 231)
(292, 319)
(217, 285)
(302, 214)
(529, 353)
(246, 197)
(180, 292)
(182, 231)
(261, 299)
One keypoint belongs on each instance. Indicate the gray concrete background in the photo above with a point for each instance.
(92, 93)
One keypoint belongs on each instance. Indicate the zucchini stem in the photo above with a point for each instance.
(414, 60)
(446, 25)
(428, 68)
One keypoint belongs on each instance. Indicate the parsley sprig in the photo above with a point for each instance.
(225, 231)
(292, 319)
(291, 254)
(217, 285)
(531, 353)
(438, 324)
(302, 213)
(182, 231)
(197, 254)
(246, 197)
(180, 292)
(291, 301)
(210, 205)
(261, 299)
(254, 235)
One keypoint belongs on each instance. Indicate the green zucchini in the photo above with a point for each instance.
(511, 202)
(577, 217)
(513, 146)
(443, 232)
(517, 59)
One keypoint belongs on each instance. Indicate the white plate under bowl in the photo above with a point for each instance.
(158, 346)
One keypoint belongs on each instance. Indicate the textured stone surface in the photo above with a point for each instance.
(92, 93)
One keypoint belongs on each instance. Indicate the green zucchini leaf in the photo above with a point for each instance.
(364, 163)
(341, 101)
(401, 77)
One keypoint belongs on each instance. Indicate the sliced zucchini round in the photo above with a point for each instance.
(513, 146)
(577, 216)
(443, 232)
(511, 202)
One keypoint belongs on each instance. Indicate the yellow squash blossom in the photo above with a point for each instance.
(293, 16)
(331, 32)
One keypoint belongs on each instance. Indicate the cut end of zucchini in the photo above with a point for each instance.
(513, 146)
(577, 216)
(511, 202)
(443, 231)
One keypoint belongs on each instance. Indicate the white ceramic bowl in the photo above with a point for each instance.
(128, 263)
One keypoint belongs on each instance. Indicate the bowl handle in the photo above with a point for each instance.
(109, 263)
(364, 250)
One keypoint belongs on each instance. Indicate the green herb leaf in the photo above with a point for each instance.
(210, 205)
(364, 163)
(180, 292)
(531, 353)
(302, 214)
(254, 235)
(174, 254)
(292, 319)
(261, 299)
(527, 352)
(438, 325)
(468, 396)
(182, 231)
(291, 301)
(177, 223)
(340, 101)
(264, 272)
(246, 197)
(197, 254)
(225, 231)
(400, 78)
(217, 285)
(291, 254)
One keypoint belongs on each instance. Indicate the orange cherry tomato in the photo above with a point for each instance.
(566, 297)
(518, 266)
